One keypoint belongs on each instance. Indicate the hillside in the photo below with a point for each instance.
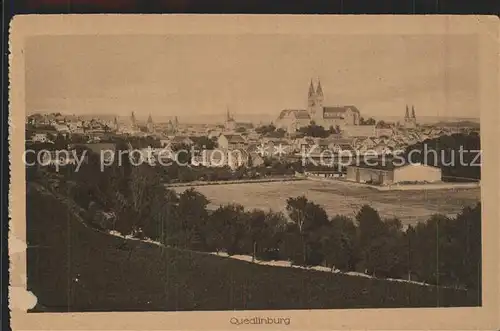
(457, 124)
(72, 267)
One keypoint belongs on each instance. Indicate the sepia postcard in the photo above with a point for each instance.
(221, 172)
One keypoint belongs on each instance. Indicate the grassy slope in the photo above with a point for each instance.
(117, 275)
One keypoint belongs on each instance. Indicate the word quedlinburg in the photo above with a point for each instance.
(260, 320)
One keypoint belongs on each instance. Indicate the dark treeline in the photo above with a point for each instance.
(270, 168)
(132, 200)
(270, 131)
(444, 152)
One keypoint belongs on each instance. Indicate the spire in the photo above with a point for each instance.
(132, 119)
(319, 90)
(407, 115)
(311, 89)
(412, 111)
(176, 121)
(150, 119)
(228, 116)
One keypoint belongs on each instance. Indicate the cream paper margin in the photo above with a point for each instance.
(486, 28)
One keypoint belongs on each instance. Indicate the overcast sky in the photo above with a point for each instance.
(195, 75)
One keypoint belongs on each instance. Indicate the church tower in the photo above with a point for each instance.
(229, 124)
(133, 122)
(410, 120)
(150, 124)
(315, 103)
(311, 99)
(319, 95)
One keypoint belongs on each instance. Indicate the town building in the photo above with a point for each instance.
(39, 138)
(230, 124)
(326, 116)
(218, 158)
(181, 141)
(231, 141)
(379, 173)
(386, 132)
(359, 131)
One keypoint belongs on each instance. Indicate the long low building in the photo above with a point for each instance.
(391, 173)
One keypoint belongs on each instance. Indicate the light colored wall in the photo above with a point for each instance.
(351, 174)
(384, 132)
(373, 175)
(222, 142)
(417, 173)
(359, 130)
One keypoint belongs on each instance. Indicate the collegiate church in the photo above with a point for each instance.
(293, 119)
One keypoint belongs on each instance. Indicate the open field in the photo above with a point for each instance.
(342, 198)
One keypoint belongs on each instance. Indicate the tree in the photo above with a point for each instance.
(278, 133)
(60, 142)
(140, 200)
(255, 228)
(468, 243)
(447, 251)
(313, 130)
(338, 243)
(165, 224)
(193, 215)
(269, 242)
(265, 129)
(369, 121)
(182, 153)
(391, 260)
(370, 232)
(227, 229)
(307, 217)
(203, 143)
(296, 208)
(383, 125)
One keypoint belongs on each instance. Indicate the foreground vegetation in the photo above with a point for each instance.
(131, 200)
(74, 267)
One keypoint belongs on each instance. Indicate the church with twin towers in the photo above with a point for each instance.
(326, 116)
(410, 119)
(337, 116)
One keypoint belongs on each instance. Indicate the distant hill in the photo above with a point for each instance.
(72, 267)
(457, 124)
